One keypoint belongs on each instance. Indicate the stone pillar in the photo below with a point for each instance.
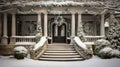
(102, 26)
(45, 24)
(73, 25)
(0, 27)
(13, 24)
(13, 28)
(39, 29)
(4, 39)
(79, 23)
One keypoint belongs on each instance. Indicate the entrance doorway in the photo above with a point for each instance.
(59, 30)
(59, 33)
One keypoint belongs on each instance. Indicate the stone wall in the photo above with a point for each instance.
(6, 49)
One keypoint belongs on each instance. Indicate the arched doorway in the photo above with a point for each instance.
(59, 30)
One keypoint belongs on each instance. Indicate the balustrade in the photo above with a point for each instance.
(93, 38)
(25, 40)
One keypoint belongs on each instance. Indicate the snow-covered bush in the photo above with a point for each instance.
(114, 35)
(105, 53)
(20, 52)
(38, 36)
(99, 44)
(108, 52)
(115, 53)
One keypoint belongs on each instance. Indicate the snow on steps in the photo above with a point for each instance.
(61, 59)
(60, 52)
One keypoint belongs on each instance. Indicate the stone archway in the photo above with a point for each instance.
(59, 27)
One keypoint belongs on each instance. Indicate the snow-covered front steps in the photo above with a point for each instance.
(60, 52)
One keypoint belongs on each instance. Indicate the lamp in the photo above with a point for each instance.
(106, 24)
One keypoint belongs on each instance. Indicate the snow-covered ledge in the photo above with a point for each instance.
(53, 3)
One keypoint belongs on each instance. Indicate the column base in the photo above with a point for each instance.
(72, 41)
(4, 41)
(12, 41)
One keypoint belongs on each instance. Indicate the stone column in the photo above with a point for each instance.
(39, 29)
(4, 39)
(73, 25)
(45, 24)
(0, 27)
(13, 28)
(102, 26)
(79, 23)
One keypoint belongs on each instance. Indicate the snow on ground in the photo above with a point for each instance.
(94, 62)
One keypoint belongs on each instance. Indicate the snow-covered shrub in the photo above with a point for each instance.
(115, 53)
(20, 52)
(114, 35)
(38, 36)
(108, 52)
(105, 53)
(99, 44)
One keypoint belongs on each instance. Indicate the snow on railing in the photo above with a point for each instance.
(24, 38)
(80, 43)
(40, 43)
(39, 48)
(93, 38)
(82, 49)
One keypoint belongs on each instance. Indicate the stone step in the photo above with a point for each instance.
(60, 47)
(60, 51)
(61, 59)
(69, 56)
(60, 54)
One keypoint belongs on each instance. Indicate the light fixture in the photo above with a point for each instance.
(106, 24)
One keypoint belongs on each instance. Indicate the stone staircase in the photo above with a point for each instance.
(60, 52)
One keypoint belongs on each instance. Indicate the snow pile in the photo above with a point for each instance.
(20, 49)
(6, 61)
(80, 43)
(40, 43)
